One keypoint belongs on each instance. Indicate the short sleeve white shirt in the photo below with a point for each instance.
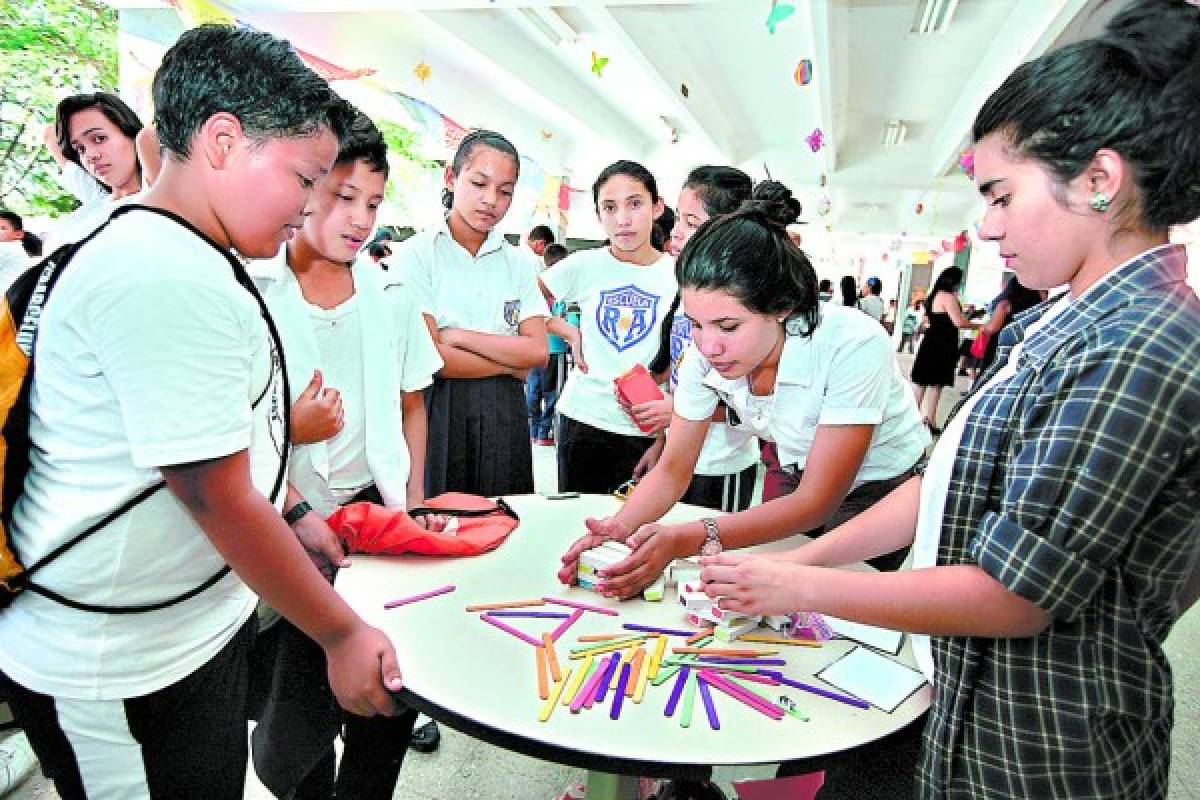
(149, 354)
(493, 291)
(726, 450)
(622, 307)
(843, 374)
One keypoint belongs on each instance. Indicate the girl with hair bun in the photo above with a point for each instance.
(822, 383)
(725, 470)
(1055, 531)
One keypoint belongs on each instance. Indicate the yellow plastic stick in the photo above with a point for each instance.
(580, 678)
(552, 701)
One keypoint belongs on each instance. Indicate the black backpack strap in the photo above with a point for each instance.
(501, 507)
(243, 278)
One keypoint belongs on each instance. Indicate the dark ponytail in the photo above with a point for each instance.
(1134, 89)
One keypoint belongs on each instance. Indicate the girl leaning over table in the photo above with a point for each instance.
(1057, 533)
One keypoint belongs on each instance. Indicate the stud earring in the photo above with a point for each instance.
(1100, 202)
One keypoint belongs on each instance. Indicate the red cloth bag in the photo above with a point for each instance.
(477, 525)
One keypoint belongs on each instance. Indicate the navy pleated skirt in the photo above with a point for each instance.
(478, 437)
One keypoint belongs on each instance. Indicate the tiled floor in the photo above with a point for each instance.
(464, 768)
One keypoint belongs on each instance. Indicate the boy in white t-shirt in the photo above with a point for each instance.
(366, 354)
(156, 362)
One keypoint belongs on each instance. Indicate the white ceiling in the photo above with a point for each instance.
(494, 65)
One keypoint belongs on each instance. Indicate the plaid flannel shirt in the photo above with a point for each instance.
(1076, 487)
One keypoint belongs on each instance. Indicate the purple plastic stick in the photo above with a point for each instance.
(509, 629)
(609, 671)
(757, 662)
(676, 692)
(709, 708)
(568, 622)
(532, 614)
(619, 697)
(817, 690)
(633, 626)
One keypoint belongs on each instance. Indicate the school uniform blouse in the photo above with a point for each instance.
(1075, 487)
(843, 374)
(397, 355)
(493, 291)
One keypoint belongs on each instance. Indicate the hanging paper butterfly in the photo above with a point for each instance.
(598, 64)
(966, 160)
(804, 72)
(816, 139)
(422, 71)
(779, 12)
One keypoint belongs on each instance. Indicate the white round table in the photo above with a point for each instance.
(483, 681)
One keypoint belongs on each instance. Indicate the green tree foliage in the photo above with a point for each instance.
(48, 49)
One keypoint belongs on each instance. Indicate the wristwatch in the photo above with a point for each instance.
(293, 514)
(712, 538)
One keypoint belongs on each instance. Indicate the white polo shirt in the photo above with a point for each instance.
(726, 450)
(493, 291)
(622, 308)
(844, 374)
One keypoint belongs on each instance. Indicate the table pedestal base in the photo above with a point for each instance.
(606, 786)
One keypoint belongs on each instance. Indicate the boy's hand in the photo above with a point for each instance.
(321, 544)
(317, 414)
(363, 671)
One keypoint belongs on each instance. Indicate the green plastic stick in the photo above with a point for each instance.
(689, 702)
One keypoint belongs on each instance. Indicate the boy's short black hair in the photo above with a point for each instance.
(362, 141)
(542, 233)
(252, 75)
(554, 254)
(12, 218)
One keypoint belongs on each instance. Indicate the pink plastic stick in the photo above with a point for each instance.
(575, 604)
(738, 693)
(403, 601)
(568, 622)
(509, 629)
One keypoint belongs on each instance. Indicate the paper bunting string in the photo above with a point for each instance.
(422, 71)
(599, 62)
(816, 139)
(329, 71)
(779, 12)
(804, 72)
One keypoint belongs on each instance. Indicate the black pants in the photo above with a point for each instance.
(186, 740)
(727, 493)
(595, 461)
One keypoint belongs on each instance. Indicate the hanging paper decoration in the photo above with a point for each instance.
(824, 180)
(201, 12)
(960, 242)
(422, 71)
(824, 206)
(547, 135)
(779, 12)
(966, 160)
(804, 72)
(920, 208)
(816, 139)
(599, 62)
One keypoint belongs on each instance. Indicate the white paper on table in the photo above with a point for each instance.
(883, 639)
(877, 679)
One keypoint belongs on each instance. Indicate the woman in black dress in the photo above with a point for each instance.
(933, 367)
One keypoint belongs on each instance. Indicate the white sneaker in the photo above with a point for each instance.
(16, 761)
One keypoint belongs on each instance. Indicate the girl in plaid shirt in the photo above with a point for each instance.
(1056, 532)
